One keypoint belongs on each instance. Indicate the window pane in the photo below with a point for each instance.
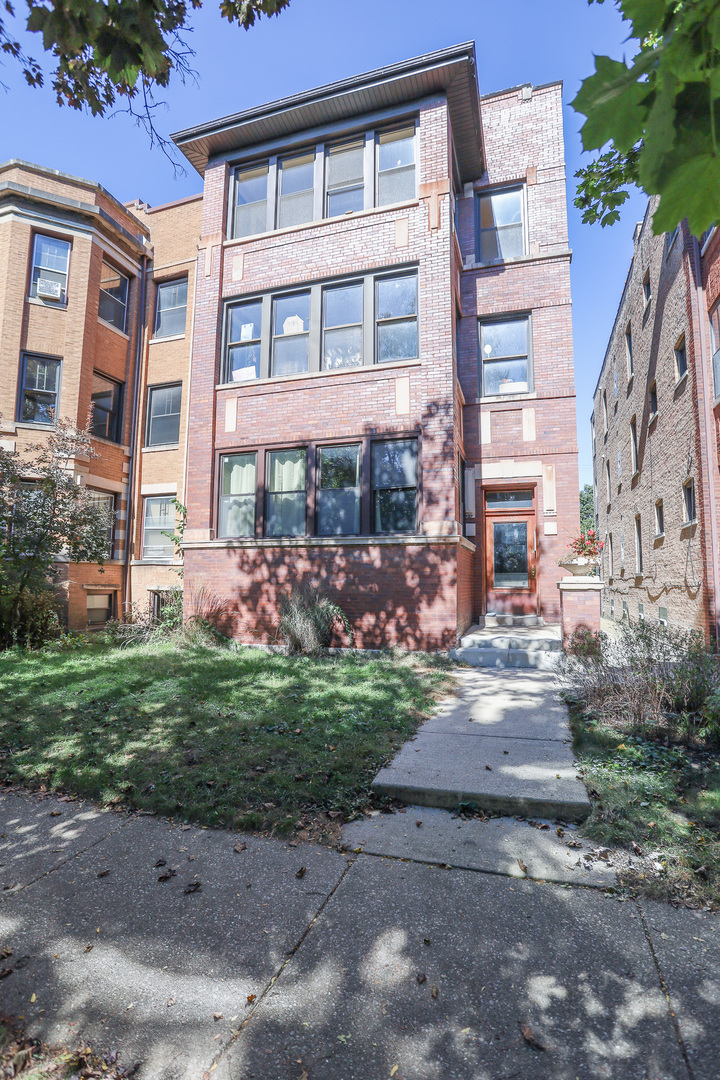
(510, 559)
(238, 474)
(510, 241)
(394, 464)
(292, 314)
(504, 339)
(295, 209)
(251, 186)
(509, 499)
(339, 467)
(113, 283)
(171, 308)
(397, 297)
(243, 362)
(245, 321)
(339, 512)
(297, 174)
(159, 518)
(41, 374)
(397, 341)
(489, 246)
(38, 408)
(501, 208)
(164, 411)
(237, 515)
(344, 200)
(345, 165)
(50, 262)
(290, 355)
(286, 514)
(99, 608)
(342, 348)
(250, 219)
(343, 306)
(39, 399)
(396, 148)
(286, 470)
(396, 186)
(506, 377)
(105, 400)
(395, 511)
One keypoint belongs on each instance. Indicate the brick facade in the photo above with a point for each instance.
(665, 311)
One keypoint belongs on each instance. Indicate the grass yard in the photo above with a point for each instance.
(211, 734)
(659, 803)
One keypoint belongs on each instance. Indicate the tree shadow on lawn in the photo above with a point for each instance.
(218, 736)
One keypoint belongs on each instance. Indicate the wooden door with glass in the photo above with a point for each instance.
(510, 552)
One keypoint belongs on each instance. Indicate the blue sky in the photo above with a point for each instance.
(318, 41)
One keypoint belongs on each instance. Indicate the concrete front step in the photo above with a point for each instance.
(540, 659)
(489, 621)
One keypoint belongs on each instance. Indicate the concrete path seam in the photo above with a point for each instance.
(76, 855)
(494, 735)
(482, 870)
(665, 989)
(291, 955)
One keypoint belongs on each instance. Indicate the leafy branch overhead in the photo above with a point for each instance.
(659, 115)
(109, 50)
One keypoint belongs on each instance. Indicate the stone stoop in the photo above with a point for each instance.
(520, 647)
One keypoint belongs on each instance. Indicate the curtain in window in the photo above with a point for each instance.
(237, 498)
(286, 493)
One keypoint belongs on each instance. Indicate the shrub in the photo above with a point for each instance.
(307, 621)
(29, 617)
(584, 643)
(649, 677)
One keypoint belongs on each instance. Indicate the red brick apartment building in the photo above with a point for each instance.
(655, 435)
(351, 357)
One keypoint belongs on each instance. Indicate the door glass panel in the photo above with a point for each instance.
(510, 555)
(503, 500)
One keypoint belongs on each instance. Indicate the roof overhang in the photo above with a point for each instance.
(449, 71)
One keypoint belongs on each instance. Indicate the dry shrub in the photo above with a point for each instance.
(649, 676)
(308, 620)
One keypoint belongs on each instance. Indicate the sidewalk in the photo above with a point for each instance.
(353, 968)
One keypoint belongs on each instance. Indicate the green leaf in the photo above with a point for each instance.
(615, 106)
(692, 191)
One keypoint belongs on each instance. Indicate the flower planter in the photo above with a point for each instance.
(580, 565)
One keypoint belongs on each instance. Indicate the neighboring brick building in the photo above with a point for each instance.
(352, 359)
(655, 437)
(383, 322)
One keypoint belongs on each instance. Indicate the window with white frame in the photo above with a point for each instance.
(112, 306)
(505, 356)
(372, 168)
(99, 608)
(237, 495)
(689, 507)
(158, 521)
(171, 308)
(39, 390)
(663, 616)
(500, 225)
(49, 276)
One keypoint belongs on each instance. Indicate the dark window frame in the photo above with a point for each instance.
(315, 333)
(689, 502)
(112, 500)
(62, 303)
(220, 495)
(116, 433)
(159, 286)
(103, 292)
(148, 420)
(111, 608)
(518, 316)
(311, 481)
(369, 136)
(24, 357)
(679, 351)
(500, 189)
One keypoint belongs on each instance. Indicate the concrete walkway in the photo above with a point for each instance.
(502, 744)
(301, 963)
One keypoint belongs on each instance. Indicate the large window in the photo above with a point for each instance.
(296, 190)
(163, 415)
(396, 166)
(715, 345)
(251, 192)
(394, 486)
(106, 398)
(112, 307)
(396, 318)
(99, 609)
(374, 168)
(171, 308)
(158, 519)
(345, 179)
(338, 496)
(505, 360)
(50, 268)
(105, 502)
(237, 495)
(500, 228)
(323, 328)
(285, 493)
(40, 390)
(290, 332)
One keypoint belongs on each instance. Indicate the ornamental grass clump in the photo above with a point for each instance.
(308, 620)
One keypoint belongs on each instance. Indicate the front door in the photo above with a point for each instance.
(511, 555)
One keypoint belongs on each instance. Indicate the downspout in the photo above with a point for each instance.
(129, 530)
(708, 459)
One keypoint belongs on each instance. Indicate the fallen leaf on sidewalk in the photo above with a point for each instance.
(160, 862)
(217, 1016)
(33, 999)
(421, 977)
(103, 873)
(56, 813)
(251, 998)
(89, 948)
(489, 768)
(240, 846)
(434, 992)
(522, 866)
(193, 886)
(4, 953)
(301, 872)
(171, 1002)
(394, 1070)
(167, 874)
(5, 972)
(529, 1038)
(419, 824)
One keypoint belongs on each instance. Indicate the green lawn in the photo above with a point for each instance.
(215, 735)
(661, 798)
